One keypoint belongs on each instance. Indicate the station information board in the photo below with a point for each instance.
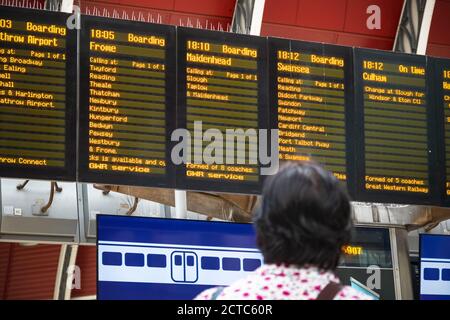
(222, 86)
(37, 97)
(311, 103)
(394, 131)
(127, 102)
(441, 81)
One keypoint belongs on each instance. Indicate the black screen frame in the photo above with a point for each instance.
(183, 34)
(432, 198)
(68, 173)
(109, 177)
(438, 64)
(274, 45)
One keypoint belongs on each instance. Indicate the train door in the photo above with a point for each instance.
(184, 266)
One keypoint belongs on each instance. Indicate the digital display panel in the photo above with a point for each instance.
(37, 95)
(394, 122)
(310, 102)
(151, 258)
(127, 102)
(441, 82)
(368, 246)
(434, 252)
(369, 252)
(222, 89)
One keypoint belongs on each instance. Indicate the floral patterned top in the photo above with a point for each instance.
(282, 282)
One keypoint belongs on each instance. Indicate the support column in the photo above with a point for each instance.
(180, 204)
(66, 272)
(414, 26)
(247, 17)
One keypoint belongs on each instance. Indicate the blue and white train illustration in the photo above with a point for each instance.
(435, 276)
(174, 264)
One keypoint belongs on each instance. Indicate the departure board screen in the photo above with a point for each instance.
(222, 103)
(311, 103)
(37, 95)
(127, 102)
(441, 82)
(394, 126)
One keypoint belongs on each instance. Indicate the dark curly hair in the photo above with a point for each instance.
(304, 217)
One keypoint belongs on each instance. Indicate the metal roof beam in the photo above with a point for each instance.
(414, 26)
(247, 17)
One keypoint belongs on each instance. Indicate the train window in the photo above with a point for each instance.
(431, 274)
(251, 264)
(210, 263)
(446, 274)
(134, 259)
(231, 264)
(111, 258)
(178, 260)
(156, 260)
(190, 261)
